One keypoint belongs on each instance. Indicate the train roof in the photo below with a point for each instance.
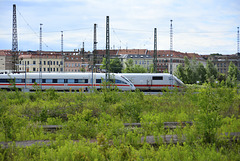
(150, 74)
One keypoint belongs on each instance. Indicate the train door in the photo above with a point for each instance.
(157, 82)
(149, 83)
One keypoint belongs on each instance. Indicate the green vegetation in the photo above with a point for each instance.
(100, 116)
(115, 65)
(193, 72)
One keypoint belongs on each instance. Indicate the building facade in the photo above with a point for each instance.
(143, 60)
(222, 62)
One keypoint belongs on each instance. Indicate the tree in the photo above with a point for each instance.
(180, 73)
(131, 68)
(231, 80)
(201, 71)
(188, 71)
(232, 71)
(114, 67)
(211, 72)
(191, 72)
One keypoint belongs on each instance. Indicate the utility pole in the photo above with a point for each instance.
(107, 77)
(40, 60)
(155, 51)
(171, 48)
(14, 41)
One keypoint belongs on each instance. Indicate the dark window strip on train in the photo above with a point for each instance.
(59, 81)
(45, 80)
(157, 78)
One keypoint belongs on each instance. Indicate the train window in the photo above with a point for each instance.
(43, 80)
(18, 81)
(60, 80)
(65, 81)
(120, 82)
(33, 80)
(157, 78)
(80, 81)
(98, 81)
(48, 80)
(4, 80)
(70, 80)
(55, 80)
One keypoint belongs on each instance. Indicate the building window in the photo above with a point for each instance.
(44, 62)
(53, 62)
(34, 69)
(34, 62)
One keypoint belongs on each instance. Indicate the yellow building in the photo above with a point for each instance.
(31, 63)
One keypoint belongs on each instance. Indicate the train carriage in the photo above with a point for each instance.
(63, 81)
(154, 81)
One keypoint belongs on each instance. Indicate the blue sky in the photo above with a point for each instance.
(203, 27)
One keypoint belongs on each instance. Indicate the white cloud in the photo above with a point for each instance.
(131, 22)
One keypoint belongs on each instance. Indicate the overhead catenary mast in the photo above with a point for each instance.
(40, 55)
(107, 50)
(62, 69)
(155, 51)
(238, 40)
(171, 48)
(14, 41)
(95, 44)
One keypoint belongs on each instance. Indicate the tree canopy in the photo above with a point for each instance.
(132, 68)
(115, 65)
(191, 72)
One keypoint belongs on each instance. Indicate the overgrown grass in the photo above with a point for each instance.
(100, 115)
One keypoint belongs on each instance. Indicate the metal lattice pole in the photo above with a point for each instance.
(155, 51)
(62, 69)
(107, 50)
(237, 40)
(40, 55)
(171, 48)
(14, 41)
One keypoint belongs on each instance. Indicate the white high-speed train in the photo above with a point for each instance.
(64, 81)
(154, 81)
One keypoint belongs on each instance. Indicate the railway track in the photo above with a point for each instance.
(167, 125)
(152, 140)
